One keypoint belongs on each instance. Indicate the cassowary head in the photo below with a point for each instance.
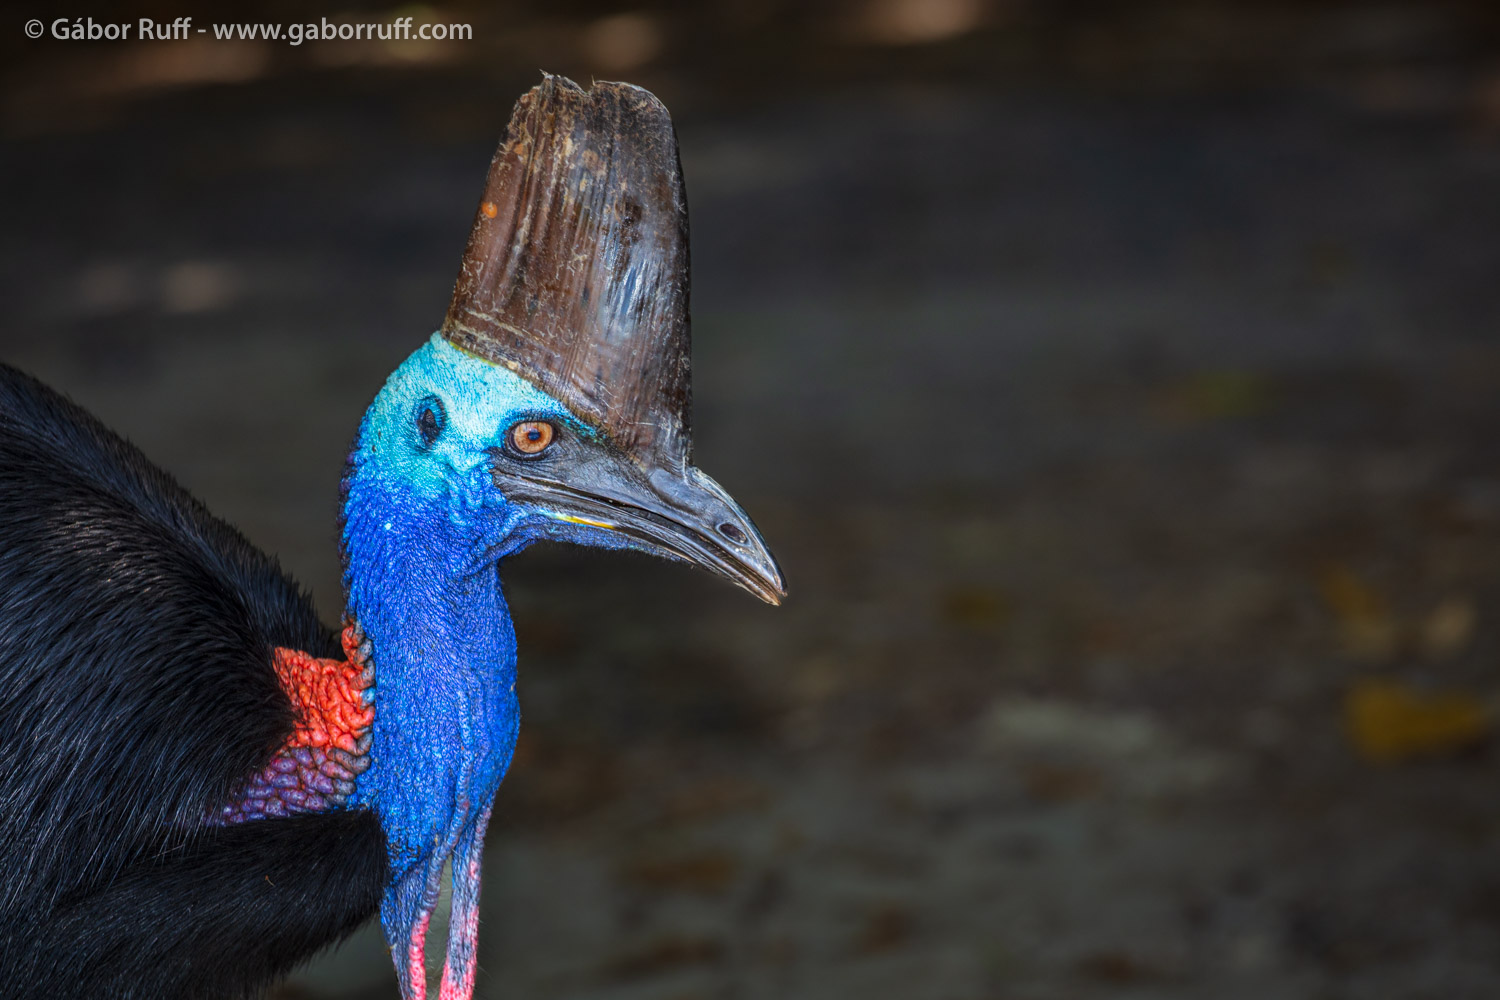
(562, 371)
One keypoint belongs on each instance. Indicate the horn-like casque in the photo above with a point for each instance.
(576, 271)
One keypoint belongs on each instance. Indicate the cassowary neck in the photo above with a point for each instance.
(424, 588)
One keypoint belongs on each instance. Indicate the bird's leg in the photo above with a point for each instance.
(463, 923)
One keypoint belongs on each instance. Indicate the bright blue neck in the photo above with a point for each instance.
(425, 527)
(422, 583)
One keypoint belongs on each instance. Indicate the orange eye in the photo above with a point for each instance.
(532, 437)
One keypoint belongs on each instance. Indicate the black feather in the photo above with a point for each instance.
(136, 693)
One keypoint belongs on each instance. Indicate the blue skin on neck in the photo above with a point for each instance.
(424, 529)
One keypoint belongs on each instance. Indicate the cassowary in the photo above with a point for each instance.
(201, 784)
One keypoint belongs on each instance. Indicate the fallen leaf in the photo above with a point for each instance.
(1389, 721)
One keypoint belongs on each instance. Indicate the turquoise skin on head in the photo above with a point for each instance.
(478, 398)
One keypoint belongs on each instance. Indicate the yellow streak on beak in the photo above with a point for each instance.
(585, 521)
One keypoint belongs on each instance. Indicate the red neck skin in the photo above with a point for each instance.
(316, 768)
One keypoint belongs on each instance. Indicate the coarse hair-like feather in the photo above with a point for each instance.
(136, 692)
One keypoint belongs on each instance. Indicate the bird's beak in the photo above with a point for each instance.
(679, 515)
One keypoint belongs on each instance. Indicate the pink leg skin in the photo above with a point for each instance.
(463, 928)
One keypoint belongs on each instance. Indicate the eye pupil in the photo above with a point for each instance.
(532, 437)
(430, 419)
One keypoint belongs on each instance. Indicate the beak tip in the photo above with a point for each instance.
(772, 589)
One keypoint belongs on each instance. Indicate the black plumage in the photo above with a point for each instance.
(136, 693)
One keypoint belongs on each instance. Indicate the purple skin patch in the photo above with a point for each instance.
(298, 780)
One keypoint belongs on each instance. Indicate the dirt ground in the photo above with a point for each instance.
(1132, 450)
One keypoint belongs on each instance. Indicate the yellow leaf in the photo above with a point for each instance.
(1389, 721)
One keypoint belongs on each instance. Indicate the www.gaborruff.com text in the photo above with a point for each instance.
(82, 29)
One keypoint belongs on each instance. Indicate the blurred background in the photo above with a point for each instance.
(1118, 383)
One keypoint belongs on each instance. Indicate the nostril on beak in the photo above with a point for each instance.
(732, 533)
